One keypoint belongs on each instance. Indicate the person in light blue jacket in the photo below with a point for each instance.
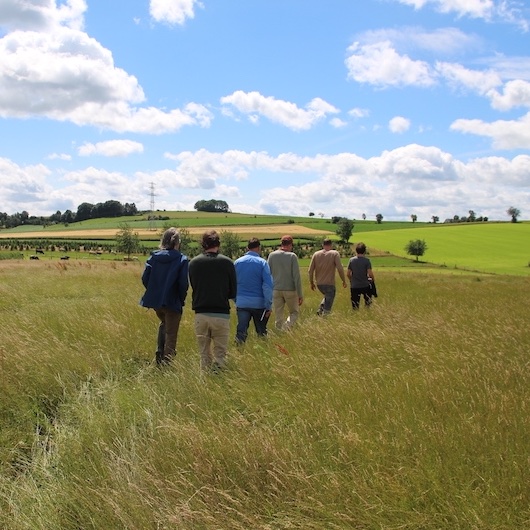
(254, 292)
(165, 279)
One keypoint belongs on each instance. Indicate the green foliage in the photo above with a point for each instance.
(211, 205)
(416, 247)
(514, 213)
(230, 243)
(344, 229)
(379, 218)
(432, 435)
(127, 240)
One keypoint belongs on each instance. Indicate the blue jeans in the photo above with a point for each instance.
(244, 316)
(329, 292)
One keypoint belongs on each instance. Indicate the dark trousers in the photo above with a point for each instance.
(167, 334)
(244, 316)
(356, 293)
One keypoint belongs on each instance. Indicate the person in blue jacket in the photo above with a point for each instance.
(165, 279)
(254, 292)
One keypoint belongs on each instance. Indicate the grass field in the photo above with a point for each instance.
(412, 415)
(489, 247)
(493, 247)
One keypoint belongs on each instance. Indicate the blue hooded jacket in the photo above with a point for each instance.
(165, 279)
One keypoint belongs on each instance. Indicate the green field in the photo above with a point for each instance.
(410, 415)
(500, 248)
(493, 247)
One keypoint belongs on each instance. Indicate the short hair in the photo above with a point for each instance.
(327, 241)
(170, 239)
(360, 248)
(210, 239)
(253, 242)
(287, 240)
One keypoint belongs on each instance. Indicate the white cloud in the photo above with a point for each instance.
(505, 10)
(111, 148)
(515, 94)
(459, 76)
(359, 113)
(380, 64)
(399, 124)
(63, 74)
(173, 11)
(42, 15)
(411, 179)
(505, 134)
(59, 156)
(445, 41)
(337, 123)
(285, 113)
(23, 186)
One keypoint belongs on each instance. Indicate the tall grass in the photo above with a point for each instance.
(411, 415)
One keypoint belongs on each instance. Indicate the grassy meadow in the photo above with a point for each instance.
(498, 248)
(411, 415)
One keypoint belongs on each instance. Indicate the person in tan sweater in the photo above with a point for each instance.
(322, 269)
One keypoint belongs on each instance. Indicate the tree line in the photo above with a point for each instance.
(84, 211)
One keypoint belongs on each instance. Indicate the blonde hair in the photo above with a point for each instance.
(170, 239)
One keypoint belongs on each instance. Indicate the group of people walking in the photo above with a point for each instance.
(259, 287)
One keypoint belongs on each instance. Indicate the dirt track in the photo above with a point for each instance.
(294, 230)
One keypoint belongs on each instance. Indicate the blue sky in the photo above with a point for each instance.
(342, 107)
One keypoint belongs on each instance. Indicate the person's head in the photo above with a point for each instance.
(327, 243)
(254, 244)
(360, 248)
(170, 239)
(286, 242)
(210, 239)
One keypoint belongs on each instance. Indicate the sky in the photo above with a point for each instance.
(291, 107)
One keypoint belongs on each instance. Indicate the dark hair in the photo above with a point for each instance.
(326, 241)
(210, 239)
(170, 239)
(360, 248)
(253, 243)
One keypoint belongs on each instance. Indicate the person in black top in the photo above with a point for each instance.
(361, 277)
(213, 280)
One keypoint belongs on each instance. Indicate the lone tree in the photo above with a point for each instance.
(344, 229)
(514, 212)
(379, 218)
(127, 241)
(414, 217)
(416, 247)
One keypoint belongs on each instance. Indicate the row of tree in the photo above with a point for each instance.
(84, 211)
(212, 205)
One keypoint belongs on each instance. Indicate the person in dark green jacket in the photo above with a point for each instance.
(165, 279)
(213, 280)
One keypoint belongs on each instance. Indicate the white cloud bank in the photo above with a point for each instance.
(412, 179)
(50, 68)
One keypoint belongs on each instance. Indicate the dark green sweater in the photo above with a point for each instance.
(213, 280)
